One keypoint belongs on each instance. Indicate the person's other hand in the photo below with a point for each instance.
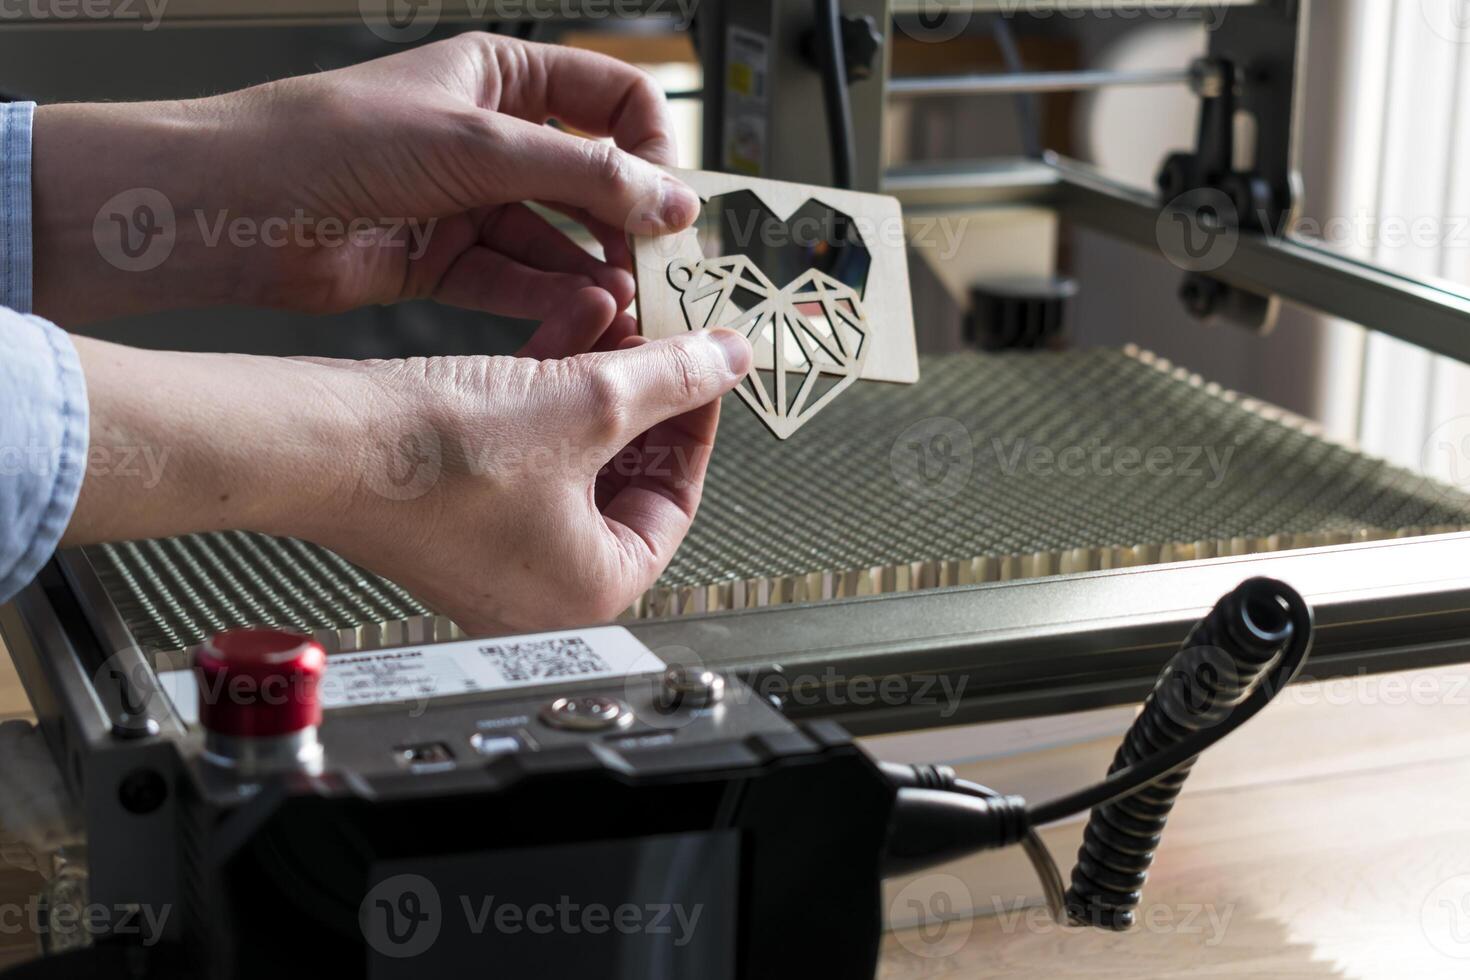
(508, 493)
(401, 178)
(526, 495)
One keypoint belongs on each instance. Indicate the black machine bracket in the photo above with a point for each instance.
(1240, 178)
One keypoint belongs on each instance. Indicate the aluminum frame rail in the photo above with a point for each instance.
(1433, 315)
(900, 662)
(1019, 649)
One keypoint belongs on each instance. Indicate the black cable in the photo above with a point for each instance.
(834, 91)
(1235, 660)
(944, 778)
(932, 826)
(1125, 781)
(1233, 663)
(1045, 866)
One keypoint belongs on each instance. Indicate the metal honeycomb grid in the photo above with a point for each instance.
(992, 467)
(175, 592)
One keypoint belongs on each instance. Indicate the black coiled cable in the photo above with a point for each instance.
(1221, 664)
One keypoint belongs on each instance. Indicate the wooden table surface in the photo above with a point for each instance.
(1328, 838)
(17, 886)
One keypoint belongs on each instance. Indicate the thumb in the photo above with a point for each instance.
(631, 390)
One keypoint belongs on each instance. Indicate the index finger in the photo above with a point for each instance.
(593, 92)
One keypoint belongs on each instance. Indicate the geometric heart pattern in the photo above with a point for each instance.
(810, 337)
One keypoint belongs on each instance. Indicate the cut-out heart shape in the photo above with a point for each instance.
(810, 335)
(816, 277)
(815, 236)
(814, 328)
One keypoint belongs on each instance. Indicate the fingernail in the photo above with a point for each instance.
(619, 283)
(679, 205)
(736, 349)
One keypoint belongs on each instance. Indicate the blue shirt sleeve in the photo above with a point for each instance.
(43, 398)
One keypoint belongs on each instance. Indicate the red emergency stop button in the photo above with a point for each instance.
(260, 683)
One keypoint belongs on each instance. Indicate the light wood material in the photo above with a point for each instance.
(1330, 837)
(13, 701)
(18, 890)
(17, 885)
(892, 356)
(681, 287)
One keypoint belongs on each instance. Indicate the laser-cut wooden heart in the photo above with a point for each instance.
(844, 315)
(814, 328)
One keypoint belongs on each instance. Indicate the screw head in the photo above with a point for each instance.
(142, 791)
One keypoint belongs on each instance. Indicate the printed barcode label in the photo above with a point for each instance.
(548, 659)
(416, 674)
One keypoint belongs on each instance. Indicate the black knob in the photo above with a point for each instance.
(861, 43)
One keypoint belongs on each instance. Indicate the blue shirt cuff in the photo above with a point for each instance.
(15, 205)
(43, 444)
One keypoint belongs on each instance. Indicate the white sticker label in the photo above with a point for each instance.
(418, 674)
(747, 98)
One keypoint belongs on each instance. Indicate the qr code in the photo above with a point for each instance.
(562, 656)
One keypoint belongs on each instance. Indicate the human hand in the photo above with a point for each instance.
(401, 178)
(507, 493)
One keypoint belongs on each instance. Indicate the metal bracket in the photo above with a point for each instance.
(1246, 86)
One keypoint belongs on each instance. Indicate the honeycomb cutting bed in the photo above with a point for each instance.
(992, 467)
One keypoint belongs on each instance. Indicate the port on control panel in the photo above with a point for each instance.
(424, 754)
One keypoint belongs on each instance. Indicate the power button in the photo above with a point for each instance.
(587, 713)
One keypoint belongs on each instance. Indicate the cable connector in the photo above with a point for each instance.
(919, 776)
(931, 826)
